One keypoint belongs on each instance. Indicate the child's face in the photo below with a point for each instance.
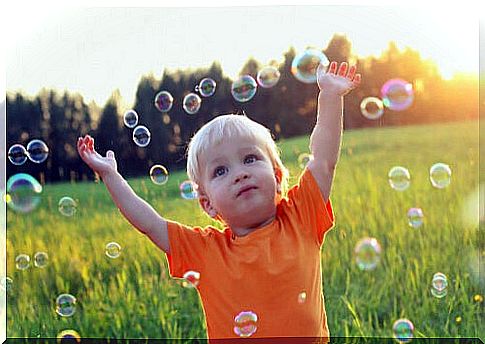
(238, 183)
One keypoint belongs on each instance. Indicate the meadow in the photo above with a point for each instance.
(133, 295)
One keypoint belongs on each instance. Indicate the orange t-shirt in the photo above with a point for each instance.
(274, 272)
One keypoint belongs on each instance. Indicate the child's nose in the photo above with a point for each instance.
(241, 176)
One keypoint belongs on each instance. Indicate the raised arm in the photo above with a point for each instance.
(136, 210)
(326, 136)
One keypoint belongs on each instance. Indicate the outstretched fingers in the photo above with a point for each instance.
(333, 67)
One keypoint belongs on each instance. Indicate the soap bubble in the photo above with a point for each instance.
(191, 103)
(113, 250)
(65, 305)
(6, 284)
(163, 101)
(245, 324)
(41, 259)
(23, 192)
(399, 178)
(207, 87)
(415, 217)
(403, 330)
(68, 336)
(304, 159)
(158, 174)
(302, 297)
(22, 261)
(372, 107)
(244, 88)
(191, 279)
(367, 253)
(67, 206)
(17, 154)
(397, 94)
(37, 151)
(439, 285)
(440, 175)
(141, 136)
(268, 77)
(187, 190)
(130, 118)
(304, 66)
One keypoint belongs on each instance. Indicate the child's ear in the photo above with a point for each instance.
(205, 203)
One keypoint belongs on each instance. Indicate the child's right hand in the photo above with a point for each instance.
(98, 163)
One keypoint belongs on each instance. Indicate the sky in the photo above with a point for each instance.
(96, 50)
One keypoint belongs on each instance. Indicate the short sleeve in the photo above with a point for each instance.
(187, 246)
(309, 206)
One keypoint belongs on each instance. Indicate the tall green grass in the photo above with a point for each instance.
(133, 296)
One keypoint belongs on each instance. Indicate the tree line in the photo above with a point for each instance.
(288, 109)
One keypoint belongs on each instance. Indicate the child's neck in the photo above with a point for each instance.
(243, 231)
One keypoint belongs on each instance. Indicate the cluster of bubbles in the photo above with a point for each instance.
(439, 176)
(396, 94)
(141, 135)
(22, 261)
(36, 151)
(244, 88)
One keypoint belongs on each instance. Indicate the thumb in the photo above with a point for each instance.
(110, 154)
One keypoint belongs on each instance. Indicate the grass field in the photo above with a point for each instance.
(133, 296)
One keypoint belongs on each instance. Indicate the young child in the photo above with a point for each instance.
(261, 276)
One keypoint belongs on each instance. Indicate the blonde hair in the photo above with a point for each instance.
(223, 127)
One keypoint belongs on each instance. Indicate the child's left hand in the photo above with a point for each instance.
(337, 82)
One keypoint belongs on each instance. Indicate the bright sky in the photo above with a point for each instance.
(96, 50)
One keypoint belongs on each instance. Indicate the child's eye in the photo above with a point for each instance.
(219, 171)
(249, 159)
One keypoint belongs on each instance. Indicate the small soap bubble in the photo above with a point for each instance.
(191, 103)
(17, 154)
(41, 259)
(113, 250)
(245, 324)
(302, 297)
(268, 76)
(141, 136)
(399, 178)
(403, 330)
(304, 65)
(367, 253)
(439, 285)
(6, 284)
(191, 279)
(440, 175)
(187, 190)
(159, 174)
(163, 101)
(244, 88)
(207, 87)
(65, 305)
(397, 94)
(130, 118)
(23, 192)
(415, 217)
(372, 108)
(68, 336)
(304, 159)
(37, 151)
(67, 206)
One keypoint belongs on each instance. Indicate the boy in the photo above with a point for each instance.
(261, 276)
